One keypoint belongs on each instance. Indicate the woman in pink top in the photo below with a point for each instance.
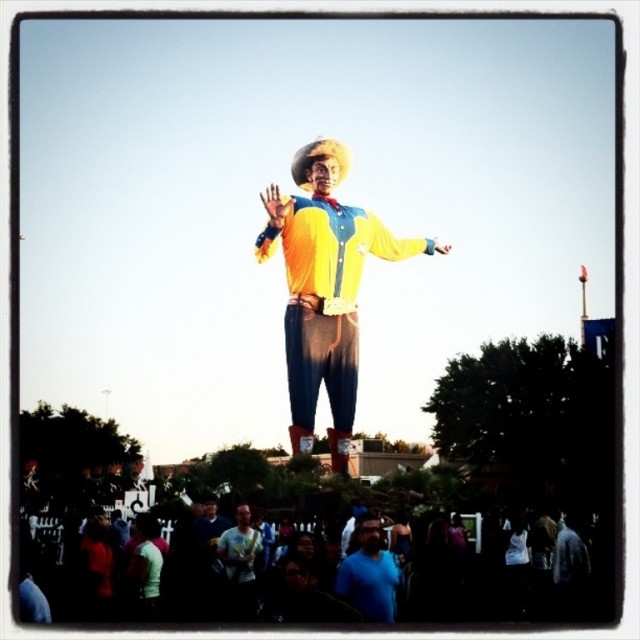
(159, 541)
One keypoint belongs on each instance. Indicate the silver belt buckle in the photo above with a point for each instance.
(335, 306)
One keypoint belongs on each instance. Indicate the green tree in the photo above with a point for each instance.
(320, 444)
(303, 463)
(529, 406)
(443, 487)
(243, 468)
(399, 446)
(275, 452)
(69, 454)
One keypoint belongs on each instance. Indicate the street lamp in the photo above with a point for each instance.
(106, 393)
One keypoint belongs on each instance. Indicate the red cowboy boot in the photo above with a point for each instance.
(339, 446)
(301, 440)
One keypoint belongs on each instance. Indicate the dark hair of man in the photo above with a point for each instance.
(367, 516)
(297, 558)
(148, 525)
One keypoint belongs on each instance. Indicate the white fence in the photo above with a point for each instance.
(473, 523)
(50, 530)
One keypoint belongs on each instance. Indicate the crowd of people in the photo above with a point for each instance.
(548, 564)
(372, 569)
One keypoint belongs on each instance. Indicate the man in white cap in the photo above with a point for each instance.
(325, 245)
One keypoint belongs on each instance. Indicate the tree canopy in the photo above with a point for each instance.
(241, 467)
(547, 409)
(71, 456)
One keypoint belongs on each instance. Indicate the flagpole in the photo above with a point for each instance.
(584, 276)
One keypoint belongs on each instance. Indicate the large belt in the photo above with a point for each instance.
(324, 306)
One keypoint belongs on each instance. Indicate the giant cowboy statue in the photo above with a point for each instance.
(325, 244)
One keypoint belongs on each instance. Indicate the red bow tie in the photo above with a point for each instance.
(332, 201)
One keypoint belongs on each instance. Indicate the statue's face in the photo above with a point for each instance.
(324, 174)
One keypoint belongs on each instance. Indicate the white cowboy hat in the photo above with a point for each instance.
(319, 147)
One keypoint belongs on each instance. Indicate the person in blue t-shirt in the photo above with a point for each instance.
(367, 579)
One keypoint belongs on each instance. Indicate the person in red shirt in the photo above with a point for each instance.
(97, 567)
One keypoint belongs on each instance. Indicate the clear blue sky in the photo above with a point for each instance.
(144, 145)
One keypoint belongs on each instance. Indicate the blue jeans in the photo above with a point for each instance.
(322, 348)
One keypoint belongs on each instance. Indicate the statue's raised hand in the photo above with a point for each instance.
(274, 207)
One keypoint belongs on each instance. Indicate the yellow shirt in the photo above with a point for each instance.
(325, 249)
